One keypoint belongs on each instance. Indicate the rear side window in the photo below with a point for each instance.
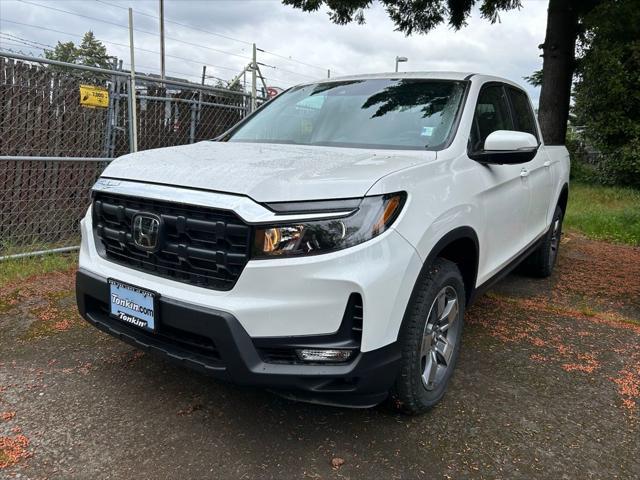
(492, 113)
(522, 112)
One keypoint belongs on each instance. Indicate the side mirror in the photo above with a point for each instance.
(507, 147)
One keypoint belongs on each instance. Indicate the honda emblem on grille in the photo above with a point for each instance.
(147, 231)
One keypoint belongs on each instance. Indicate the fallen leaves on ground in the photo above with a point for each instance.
(578, 340)
(6, 416)
(48, 299)
(13, 449)
(598, 270)
(628, 380)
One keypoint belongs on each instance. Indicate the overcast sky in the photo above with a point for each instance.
(508, 48)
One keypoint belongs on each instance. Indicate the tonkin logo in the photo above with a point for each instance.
(146, 231)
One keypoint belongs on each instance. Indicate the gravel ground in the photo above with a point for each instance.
(547, 386)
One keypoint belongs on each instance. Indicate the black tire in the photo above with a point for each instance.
(541, 262)
(412, 393)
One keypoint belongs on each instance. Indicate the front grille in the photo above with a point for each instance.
(201, 246)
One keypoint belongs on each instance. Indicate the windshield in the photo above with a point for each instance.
(380, 113)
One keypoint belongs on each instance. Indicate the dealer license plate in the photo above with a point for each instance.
(132, 305)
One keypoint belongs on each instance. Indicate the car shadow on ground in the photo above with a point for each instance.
(548, 384)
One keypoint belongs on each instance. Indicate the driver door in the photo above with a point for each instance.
(504, 189)
(539, 179)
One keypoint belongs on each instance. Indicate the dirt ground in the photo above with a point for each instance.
(547, 386)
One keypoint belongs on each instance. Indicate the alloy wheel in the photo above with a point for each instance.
(439, 337)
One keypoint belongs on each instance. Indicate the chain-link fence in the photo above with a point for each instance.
(42, 201)
(60, 124)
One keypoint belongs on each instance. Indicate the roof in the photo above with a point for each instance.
(425, 75)
(420, 75)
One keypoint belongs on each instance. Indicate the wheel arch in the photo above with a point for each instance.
(563, 199)
(461, 246)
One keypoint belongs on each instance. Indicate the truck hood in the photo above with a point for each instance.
(266, 172)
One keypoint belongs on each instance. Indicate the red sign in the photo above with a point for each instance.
(273, 91)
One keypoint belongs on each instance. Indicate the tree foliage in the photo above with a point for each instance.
(535, 79)
(64, 52)
(410, 16)
(607, 97)
(90, 52)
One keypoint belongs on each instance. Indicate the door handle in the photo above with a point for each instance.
(524, 173)
(547, 163)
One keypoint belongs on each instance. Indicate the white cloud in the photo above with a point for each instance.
(508, 48)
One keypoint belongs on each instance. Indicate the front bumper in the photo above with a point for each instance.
(214, 342)
(295, 296)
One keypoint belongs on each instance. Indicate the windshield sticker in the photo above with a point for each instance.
(427, 131)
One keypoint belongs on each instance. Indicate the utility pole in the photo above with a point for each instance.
(162, 39)
(254, 79)
(133, 113)
(204, 74)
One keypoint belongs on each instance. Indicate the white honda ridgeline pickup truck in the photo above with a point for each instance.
(327, 246)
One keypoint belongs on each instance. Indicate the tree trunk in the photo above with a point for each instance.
(559, 52)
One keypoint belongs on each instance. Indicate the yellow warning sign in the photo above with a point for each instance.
(92, 96)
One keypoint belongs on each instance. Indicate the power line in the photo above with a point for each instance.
(276, 79)
(155, 34)
(284, 70)
(178, 23)
(126, 46)
(149, 69)
(17, 43)
(4, 42)
(20, 39)
(135, 29)
(20, 48)
(117, 44)
(288, 58)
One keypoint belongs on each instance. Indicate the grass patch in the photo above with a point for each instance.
(50, 320)
(605, 213)
(9, 302)
(59, 314)
(21, 268)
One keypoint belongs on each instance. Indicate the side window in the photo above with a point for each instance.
(492, 113)
(523, 115)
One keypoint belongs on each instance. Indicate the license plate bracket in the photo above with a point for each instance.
(133, 305)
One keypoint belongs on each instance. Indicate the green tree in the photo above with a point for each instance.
(607, 97)
(563, 28)
(63, 52)
(535, 78)
(90, 52)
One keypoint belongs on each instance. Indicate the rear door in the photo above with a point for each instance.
(538, 171)
(504, 192)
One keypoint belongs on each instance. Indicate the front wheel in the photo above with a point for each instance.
(430, 338)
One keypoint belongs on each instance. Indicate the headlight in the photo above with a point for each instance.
(372, 217)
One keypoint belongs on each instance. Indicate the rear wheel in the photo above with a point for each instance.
(430, 338)
(542, 261)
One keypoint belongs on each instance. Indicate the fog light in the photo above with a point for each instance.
(323, 355)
